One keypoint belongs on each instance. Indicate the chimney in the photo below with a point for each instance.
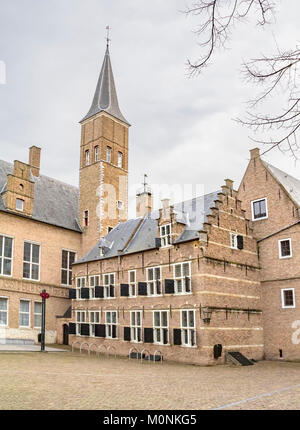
(34, 160)
(144, 202)
(254, 153)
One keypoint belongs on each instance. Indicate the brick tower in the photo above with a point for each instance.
(103, 201)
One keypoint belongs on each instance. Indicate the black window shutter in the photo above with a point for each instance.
(72, 328)
(177, 336)
(111, 291)
(217, 351)
(100, 330)
(157, 242)
(127, 333)
(165, 336)
(85, 329)
(169, 286)
(124, 290)
(148, 335)
(85, 293)
(142, 288)
(72, 293)
(99, 292)
(240, 242)
(114, 331)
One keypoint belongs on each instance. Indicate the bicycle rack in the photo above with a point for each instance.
(160, 353)
(111, 347)
(74, 343)
(143, 352)
(133, 349)
(84, 343)
(90, 346)
(99, 349)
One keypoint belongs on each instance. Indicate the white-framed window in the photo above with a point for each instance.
(24, 313)
(154, 281)
(31, 261)
(80, 318)
(37, 317)
(132, 283)
(6, 255)
(285, 248)
(165, 234)
(96, 153)
(87, 157)
(94, 281)
(161, 327)
(120, 159)
(188, 327)
(259, 209)
(182, 278)
(80, 283)
(120, 204)
(233, 240)
(3, 311)
(111, 323)
(67, 259)
(94, 318)
(20, 205)
(288, 298)
(108, 154)
(108, 281)
(136, 326)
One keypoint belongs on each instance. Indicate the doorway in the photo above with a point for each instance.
(65, 334)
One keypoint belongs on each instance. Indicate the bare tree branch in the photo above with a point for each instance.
(278, 74)
(218, 17)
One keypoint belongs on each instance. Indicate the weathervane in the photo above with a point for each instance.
(107, 35)
(145, 183)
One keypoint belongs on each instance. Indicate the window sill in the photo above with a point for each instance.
(189, 346)
(259, 219)
(31, 280)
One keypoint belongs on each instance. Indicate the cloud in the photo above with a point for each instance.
(182, 129)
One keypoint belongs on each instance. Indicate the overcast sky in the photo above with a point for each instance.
(182, 129)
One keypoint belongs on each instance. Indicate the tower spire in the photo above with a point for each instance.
(105, 97)
(107, 36)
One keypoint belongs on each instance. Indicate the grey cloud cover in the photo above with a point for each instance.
(182, 129)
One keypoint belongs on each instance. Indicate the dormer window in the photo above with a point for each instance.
(165, 234)
(259, 209)
(87, 157)
(20, 205)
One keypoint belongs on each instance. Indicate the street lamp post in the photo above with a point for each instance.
(44, 296)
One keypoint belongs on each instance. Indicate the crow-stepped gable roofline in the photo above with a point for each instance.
(105, 97)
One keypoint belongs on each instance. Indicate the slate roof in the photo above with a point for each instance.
(289, 183)
(55, 202)
(139, 234)
(105, 98)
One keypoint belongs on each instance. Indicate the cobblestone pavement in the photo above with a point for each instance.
(73, 381)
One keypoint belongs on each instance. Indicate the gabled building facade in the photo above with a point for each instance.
(188, 282)
(271, 199)
(182, 287)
